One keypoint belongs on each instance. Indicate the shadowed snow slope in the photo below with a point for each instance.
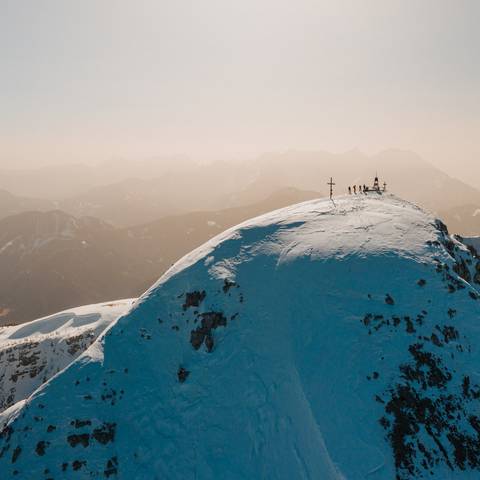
(474, 242)
(319, 341)
(32, 353)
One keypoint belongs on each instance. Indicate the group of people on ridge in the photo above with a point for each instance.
(365, 189)
(361, 189)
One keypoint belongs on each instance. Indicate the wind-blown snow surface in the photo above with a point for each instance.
(32, 353)
(315, 342)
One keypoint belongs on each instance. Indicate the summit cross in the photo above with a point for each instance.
(331, 186)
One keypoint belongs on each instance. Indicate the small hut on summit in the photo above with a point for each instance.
(376, 186)
(364, 188)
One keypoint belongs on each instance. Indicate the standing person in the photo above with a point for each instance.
(349, 190)
(355, 189)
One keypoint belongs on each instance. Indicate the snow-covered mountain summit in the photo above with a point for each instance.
(319, 341)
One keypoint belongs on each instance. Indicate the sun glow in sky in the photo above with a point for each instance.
(90, 80)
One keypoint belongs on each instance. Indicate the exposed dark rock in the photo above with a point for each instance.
(194, 299)
(6, 433)
(78, 464)
(466, 386)
(441, 227)
(203, 333)
(450, 246)
(462, 270)
(182, 374)
(16, 453)
(41, 447)
(409, 325)
(76, 343)
(420, 319)
(80, 423)
(109, 395)
(209, 343)
(384, 422)
(144, 334)
(82, 439)
(111, 468)
(105, 433)
(449, 333)
(422, 282)
(367, 319)
(420, 403)
(227, 285)
(427, 370)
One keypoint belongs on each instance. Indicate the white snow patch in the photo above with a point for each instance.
(32, 353)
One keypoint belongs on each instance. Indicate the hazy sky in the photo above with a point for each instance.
(87, 80)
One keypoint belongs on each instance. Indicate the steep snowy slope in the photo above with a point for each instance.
(32, 353)
(319, 341)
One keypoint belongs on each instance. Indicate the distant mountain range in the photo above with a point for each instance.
(50, 261)
(63, 181)
(131, 193)
(12, 204)
(104, 232)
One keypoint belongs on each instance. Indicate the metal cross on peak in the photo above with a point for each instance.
(331, 186)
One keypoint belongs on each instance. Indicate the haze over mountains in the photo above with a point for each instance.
(75, 235)
(50, 261)
(127, 193)
(13, 204)
(182, 294)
